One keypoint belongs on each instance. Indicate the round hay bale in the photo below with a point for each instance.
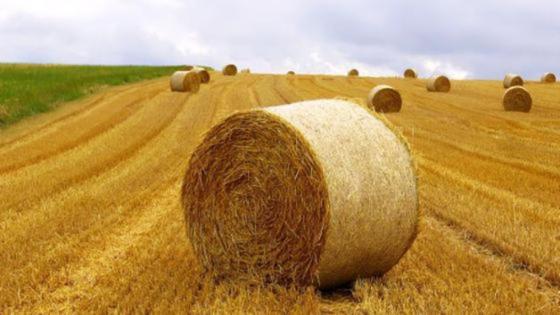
(512, 80)
(185, 81)
(384, 99)
(271, 194)
(188, 68)
(439, 83)
(203, 73)
(353, 73)
(230, 70)
(548, 78)
(517, 98)
(410, 73)
(291, 73)
(245, 71)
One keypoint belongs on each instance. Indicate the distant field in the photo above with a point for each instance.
(26, 90)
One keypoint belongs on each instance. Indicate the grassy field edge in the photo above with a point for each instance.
(30, 89)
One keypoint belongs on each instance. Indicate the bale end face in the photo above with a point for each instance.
(512, 80)
(353, 73)
(439, 84)
(241, 220)
(548, 78)
(517, 98)
(410, 74)
(230, 70)
(384, 99)
(279, 209)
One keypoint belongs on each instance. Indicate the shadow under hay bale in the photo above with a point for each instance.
(185, 81)
(384, 99)
(272, 194)
(517, 98)
(439, 83)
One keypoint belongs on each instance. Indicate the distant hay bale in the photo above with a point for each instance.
(185, 81)
(384, 99)
(318, 192)
(410, 73)
(353, 73)
(245, 71)
(230, 70)
(291, 72)
(439, 83)
(517, 98)
(548, 78)
(188, 68)
(203, 73)
(512, 80)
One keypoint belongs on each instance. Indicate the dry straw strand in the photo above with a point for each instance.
(271, 194)
(384, 99)
(439, 83)
(230, 69)
(548, 77)
(185, 81)
(512, 80)
(517, 98)
(410, 73)
(203, 73)
(353, 73)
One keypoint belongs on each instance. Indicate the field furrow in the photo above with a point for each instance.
(91, 220)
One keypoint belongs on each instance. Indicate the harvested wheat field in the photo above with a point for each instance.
(91, 218)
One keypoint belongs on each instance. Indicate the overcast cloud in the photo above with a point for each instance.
(464, 39)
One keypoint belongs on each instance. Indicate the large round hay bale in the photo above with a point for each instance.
(203, 73)
(230, 70)
(384, 99)
(291, 73)
(517, 98)
(410, 73)
(353, 73)
(512, 80)
(548, 78)
(439, 83)
(185, 81)
(318, 192)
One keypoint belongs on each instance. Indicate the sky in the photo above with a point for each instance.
(463, 39)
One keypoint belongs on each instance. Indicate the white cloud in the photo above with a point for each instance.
(479, 38)
(435, 67)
